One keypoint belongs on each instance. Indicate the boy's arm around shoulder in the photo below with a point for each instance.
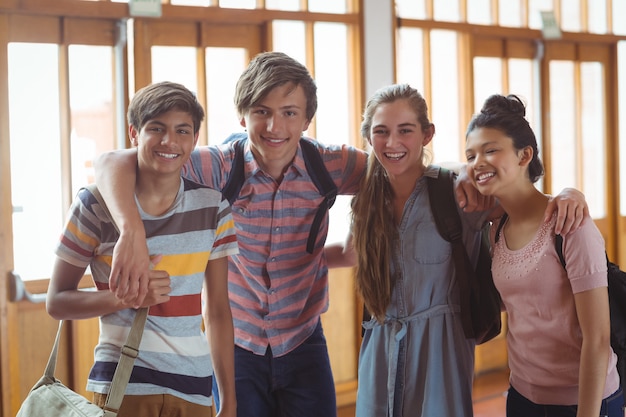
(115, 177)
(346, 164)
(64, 301)
(218, 321)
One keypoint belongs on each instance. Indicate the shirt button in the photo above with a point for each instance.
(277, 229)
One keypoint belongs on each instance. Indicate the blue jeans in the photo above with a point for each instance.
(519, 406)
(298, 384)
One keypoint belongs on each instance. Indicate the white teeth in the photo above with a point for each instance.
(276, 140)
(396, 155)
(484, 176)
(167, 155)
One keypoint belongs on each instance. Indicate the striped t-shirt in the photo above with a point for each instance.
(174, 356)
(277, 289)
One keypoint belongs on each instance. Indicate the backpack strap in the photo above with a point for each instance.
(237, 174)
(558, 245)
(315, 168)
(323, 182)
(500, 226)
(443, 206)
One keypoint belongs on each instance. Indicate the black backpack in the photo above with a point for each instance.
(481, 305)
(315, 168)
(617, 305)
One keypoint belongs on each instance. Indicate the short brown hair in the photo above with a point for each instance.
(269, 70)
(158, 98)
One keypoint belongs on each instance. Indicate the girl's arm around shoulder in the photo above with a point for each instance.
(571, 208)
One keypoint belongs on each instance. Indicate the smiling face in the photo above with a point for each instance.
(275, 126)
(493, 163)
(398, 139)
(164, 143)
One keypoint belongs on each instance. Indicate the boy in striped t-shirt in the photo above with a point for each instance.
(190, 233)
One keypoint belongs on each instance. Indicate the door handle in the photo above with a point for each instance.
(18, 291)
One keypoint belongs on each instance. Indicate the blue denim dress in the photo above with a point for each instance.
(418, 362)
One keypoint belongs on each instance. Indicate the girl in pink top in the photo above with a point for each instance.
(558, 339)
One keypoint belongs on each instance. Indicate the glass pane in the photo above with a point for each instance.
(570, 16)
(447, 10)
(593, 137)
(201, 3)
(333, 94)
(597, 16)
(411, 9)
(522, 83)
(563, 163)
(522, 77)
(619, 23)
(410, 57)
(444, 106)
(92, 109)
(535, 8)
(479, 12)
(331, 76)
(176, 64)
(34, 100)
(289, 37)
(238, 4)
(487, 79)
(621, 93)
(325, 6)
(291, 5)
(224, 66)
(510, 13)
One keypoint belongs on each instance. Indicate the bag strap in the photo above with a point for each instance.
(124, 368)
(129, 351)
(443, 206)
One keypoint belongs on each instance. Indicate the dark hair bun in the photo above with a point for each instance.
(500, 104)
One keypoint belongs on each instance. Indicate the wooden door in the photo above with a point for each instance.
(61, 115)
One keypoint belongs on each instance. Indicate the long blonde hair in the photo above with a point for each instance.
(373, 229)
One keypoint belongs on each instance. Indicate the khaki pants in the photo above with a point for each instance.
(161, 405)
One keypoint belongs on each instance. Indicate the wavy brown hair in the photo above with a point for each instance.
(373, 229)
